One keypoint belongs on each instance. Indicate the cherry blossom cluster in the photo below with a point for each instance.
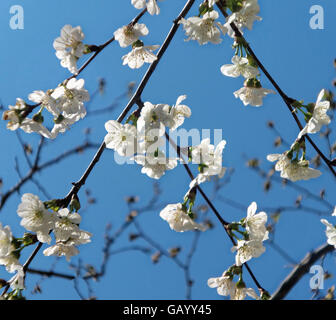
(140, 54)
(291, 165)
(144, 141)
(65, 105)
(41, 219)
(70, 47)
(10, 248)
(44, 218)
(250, 233)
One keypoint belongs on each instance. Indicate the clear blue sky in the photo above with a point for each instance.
(299, 58)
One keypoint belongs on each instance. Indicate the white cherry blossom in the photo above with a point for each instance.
(60, 249)
(71, 98)
(46, 101)
(140, 55)
(68, 248)
(330, 232)
(153, 119)
(245, 17)
(178, 219)
(293, 170)
(252, 96)
(178, 113)
(17, 282)
(319, 117)
(239, 67)
(121, 138)
(248, 249)
(255, 223)
(7, 256)
(69, 47)
(155, 165)
(127, 35)
(210, 160)
(62, 124)
(12, 115)
(240, 293)
(224, 284)
(204, 29)
(66, 225)
(151, 5)
(35, 217)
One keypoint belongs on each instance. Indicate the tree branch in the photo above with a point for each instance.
(300, 270)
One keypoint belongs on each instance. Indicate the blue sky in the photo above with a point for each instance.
(299, 58)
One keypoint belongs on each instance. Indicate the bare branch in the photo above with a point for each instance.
(300, 270)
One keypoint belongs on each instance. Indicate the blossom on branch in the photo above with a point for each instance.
(70, 98)
(35, 217)
(16, 120)
(293, 170)
(129, 34)
(248, 249)
(319, 116)
(330, 232)
(209, 160)
(69, 47)
(245, 17)
(178, 113)
(239, 67)
(17, 282)
(68, 248)
(204, 29)
(45, 100)
(241, 292)
(66, 225)
(121, 138)
(227, 287)
(8, 258)
(178, 218)
(255, 223)
(252, 93)
(151, 5)
(155, 164)
(68, 235)
(224, 284)
(153, 119)
(139, 55)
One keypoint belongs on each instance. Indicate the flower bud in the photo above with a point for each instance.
(29, 239)
(74, 204)
(38, 118)
(59, 119)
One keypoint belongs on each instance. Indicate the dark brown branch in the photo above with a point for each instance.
(50, 274)
(300, 270)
